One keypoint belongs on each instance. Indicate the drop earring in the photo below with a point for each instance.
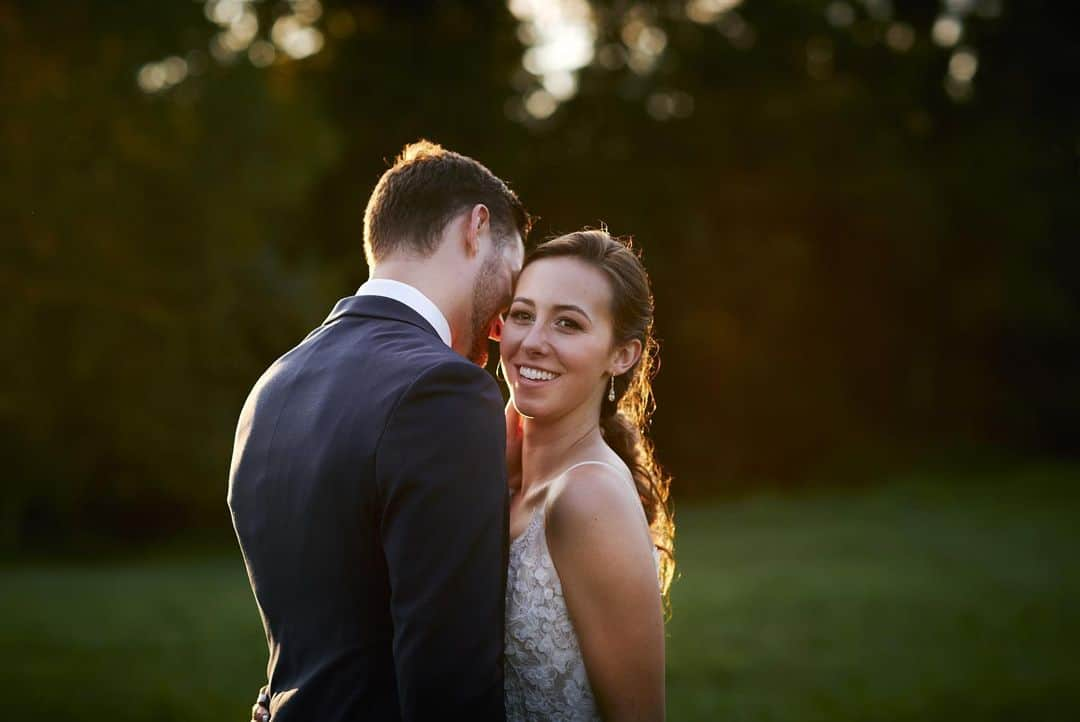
(611, 391)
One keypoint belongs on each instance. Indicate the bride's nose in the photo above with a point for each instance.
(535, 341)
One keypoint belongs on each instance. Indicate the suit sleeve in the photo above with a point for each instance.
(441, 471)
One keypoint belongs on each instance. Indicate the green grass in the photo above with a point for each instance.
(947, 598)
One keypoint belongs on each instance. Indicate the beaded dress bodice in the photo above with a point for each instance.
(545, 672)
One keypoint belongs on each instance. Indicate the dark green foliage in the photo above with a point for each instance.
(850, 269)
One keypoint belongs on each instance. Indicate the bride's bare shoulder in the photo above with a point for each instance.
(593, 498)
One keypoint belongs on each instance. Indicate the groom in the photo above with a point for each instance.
(368, 484)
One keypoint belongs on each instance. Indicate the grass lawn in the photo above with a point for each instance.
(950, 598)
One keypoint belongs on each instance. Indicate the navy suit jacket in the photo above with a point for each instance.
(368, 492)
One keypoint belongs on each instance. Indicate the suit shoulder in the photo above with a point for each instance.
(454, 375)
(453, 399)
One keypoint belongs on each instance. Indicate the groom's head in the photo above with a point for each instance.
(444, 221)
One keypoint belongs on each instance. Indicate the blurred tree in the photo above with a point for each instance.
(148, 281)
(859, 218)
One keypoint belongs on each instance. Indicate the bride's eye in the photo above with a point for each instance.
(568, 323)
(519, 316)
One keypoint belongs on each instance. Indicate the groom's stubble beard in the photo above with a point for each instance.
(487, 301)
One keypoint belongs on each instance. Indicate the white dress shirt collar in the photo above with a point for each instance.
(412, 298)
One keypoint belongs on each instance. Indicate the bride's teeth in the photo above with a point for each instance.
(536, 374)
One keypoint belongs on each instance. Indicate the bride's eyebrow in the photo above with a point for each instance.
(572, 307)
(557, 307)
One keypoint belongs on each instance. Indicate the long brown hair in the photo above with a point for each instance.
(624, 421)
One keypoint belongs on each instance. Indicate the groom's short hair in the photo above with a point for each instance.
(425, 188)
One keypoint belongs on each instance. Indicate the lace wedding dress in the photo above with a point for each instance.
(545, 672)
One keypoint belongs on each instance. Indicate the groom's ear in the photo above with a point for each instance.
(476, 224)
(626, 355)
(495, 331)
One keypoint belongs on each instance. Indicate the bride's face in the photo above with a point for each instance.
(556, 347)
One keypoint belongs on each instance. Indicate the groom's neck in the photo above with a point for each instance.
(433, 282)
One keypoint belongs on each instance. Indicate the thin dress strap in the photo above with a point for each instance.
(583, 463)
(616, 469)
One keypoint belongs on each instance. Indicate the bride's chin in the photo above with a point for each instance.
(526, 409)
(523, 409)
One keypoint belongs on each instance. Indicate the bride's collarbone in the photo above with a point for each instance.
(522, 512)
(539, 496)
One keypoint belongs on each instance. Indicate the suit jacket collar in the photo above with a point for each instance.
(379, 307)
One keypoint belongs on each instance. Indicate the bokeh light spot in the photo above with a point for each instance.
(666, 105)
(988, 8)
(900, 37)
(561, 84)
(963, 64)
(739, 33)
(540, 104)
(947, 31)
(262, 54)
(151, 77)
(960, 91)
(880, 10)
(296, 39)
(224, 12)
(709, 11)
(560, 39)
(839, 14)
(960, 7)
(306, 11)
(176, 69)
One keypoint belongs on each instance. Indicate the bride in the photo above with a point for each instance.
(591, 533)
(584, 613)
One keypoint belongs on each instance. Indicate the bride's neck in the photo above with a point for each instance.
(548, 447)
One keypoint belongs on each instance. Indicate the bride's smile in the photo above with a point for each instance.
(530, 373)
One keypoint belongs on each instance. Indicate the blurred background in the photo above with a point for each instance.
(860, 218)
